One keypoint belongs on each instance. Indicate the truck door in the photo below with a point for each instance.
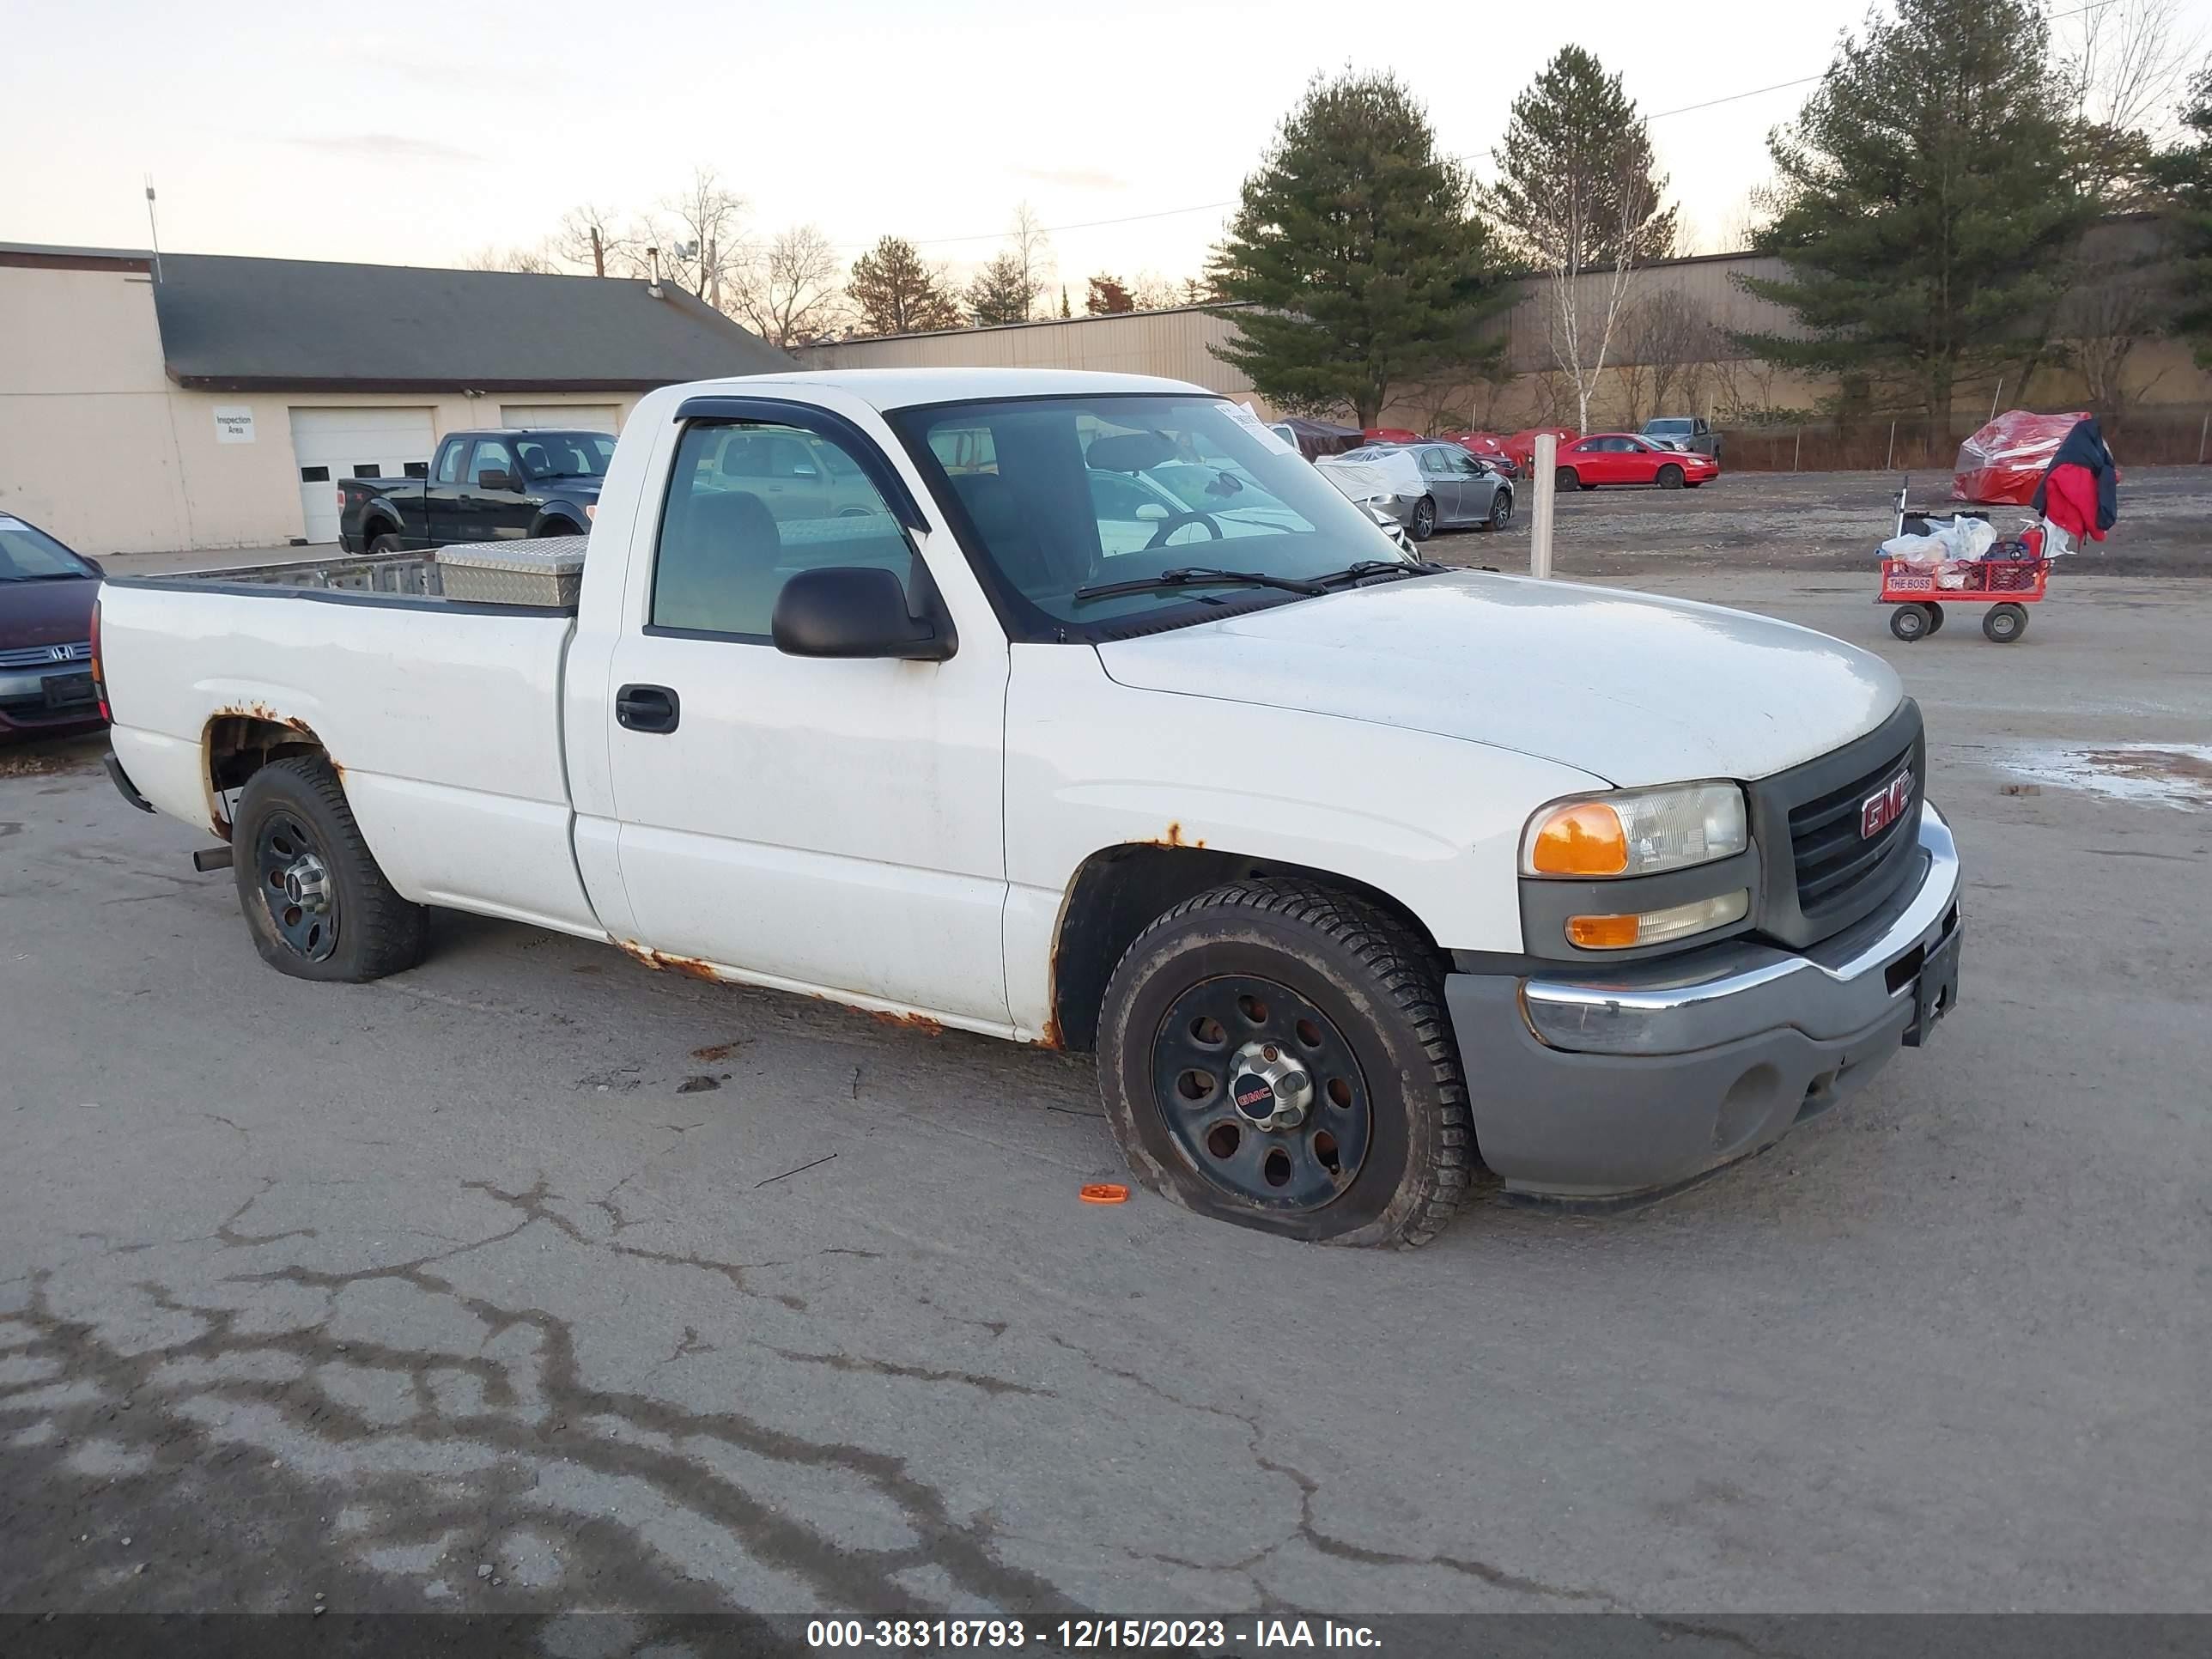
(493, 505)
(441, 497)
(818, 823)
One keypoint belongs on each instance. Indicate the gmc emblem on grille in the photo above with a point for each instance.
(1880, 810)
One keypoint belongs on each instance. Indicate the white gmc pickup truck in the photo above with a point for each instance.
(1076, 710)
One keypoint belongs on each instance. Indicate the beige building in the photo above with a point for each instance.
(216, 406)
(1672, 348)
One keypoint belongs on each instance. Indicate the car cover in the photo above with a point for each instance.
(2005, 459)
(1361, 473)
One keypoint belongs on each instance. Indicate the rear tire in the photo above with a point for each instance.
(1424, 525)
(1669, 477)
(1934, 618)
(386, 543)
(2004, 623)
(1566, 478)
(293, 826)
(1354, 1000)
(1910, 622)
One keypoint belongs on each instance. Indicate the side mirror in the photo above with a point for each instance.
(1151, 512)
(98, 569)
(852, 610)
(492, 478)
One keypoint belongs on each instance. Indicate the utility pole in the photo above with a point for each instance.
(1544, 465)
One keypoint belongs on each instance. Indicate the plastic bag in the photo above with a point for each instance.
(1921, 552)
(1959, 540)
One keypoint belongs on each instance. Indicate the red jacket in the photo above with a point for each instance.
(2071, 501)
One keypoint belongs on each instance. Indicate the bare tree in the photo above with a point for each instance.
(1153, 292)
(1032, 249)
(1675, 338)
(2126, 64)
(791, 291)
(702, 248)
(590, 239)
(529, 260)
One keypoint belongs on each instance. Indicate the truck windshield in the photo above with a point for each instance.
(565, 454)
(1067, 495)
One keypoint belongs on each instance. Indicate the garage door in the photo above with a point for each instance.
(582, 417)
(330, 444)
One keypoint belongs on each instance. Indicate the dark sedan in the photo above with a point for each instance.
(46, 595)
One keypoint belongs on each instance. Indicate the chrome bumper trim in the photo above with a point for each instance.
(1736, 990)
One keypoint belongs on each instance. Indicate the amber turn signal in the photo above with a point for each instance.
(1584, 839)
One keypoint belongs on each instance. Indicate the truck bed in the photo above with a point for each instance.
(401, 579)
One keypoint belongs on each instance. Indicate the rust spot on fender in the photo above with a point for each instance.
(663, 960)
(1174, 837)
(922, 1023)
(1050, 1037)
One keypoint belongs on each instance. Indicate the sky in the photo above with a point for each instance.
(418, 134)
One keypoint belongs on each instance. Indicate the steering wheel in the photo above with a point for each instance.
(1169, 525)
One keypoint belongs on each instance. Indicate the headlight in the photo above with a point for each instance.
(1637, 832)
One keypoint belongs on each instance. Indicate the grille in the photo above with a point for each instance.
(1832, 862)
(42, 656)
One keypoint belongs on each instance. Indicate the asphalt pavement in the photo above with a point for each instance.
(533, 1279)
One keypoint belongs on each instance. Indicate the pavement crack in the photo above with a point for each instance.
(842, 1362)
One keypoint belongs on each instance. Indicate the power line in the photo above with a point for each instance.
(1467, 155)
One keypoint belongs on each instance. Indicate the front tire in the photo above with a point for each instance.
(1911, 621)
(1425, 520)
(1501, 510)
(316, 902)
(2004, 623)
(1670, 476)
(1330, 1015)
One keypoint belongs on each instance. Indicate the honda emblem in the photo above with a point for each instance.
(1884, 807)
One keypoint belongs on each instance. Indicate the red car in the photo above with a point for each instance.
(1622, 457)
(1521, 446)
(47, 594)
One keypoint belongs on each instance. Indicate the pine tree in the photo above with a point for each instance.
(1932, 202)
(1003, 291)
(1355, 246)
(1579, 200)
(897, 293)
(2183, 176)
(1109, 296)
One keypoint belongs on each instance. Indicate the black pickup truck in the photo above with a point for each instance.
(499, 484)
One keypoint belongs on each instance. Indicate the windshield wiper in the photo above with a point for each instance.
(1361, 569)
(1199, 576)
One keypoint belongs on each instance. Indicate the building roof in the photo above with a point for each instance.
(236, 324)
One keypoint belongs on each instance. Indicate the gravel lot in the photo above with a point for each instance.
(1825, 521)
(463, 1292)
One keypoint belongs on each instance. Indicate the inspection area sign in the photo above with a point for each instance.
(234, 424)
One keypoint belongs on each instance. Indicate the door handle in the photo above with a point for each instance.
(647, 708)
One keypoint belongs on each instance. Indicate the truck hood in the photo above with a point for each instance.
(1632, 688)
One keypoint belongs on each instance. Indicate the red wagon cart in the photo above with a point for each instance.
(2004, 584)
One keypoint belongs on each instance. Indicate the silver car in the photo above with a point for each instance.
(1461, 492)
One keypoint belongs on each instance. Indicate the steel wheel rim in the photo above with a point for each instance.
(1201, 1075)
(297, 890)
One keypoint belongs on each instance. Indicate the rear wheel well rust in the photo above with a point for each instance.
(1120, 890)
(239, 742)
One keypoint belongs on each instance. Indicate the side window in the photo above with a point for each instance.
(1433, 462)
(1467, 465)
(491, 456)
(742, 519)
(449, 461)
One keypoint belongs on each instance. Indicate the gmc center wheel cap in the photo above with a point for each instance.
(1270, 1090)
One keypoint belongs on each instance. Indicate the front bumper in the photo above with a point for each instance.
(1605, 1087)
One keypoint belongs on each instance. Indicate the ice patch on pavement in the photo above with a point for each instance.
(2176, 774)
